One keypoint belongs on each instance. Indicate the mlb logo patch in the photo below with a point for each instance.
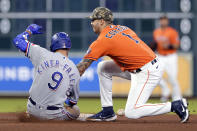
(88, 51)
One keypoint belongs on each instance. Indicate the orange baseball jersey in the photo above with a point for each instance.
(169, 35)
(123, 46)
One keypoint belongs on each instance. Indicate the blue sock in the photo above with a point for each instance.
(108, 109)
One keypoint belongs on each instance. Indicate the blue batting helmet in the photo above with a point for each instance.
(60, 40)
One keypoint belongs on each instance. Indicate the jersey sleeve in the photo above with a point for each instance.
(96, 50)
(174, 38)
(73, 93)
(73, 90)
(76, 92)
(35, 53)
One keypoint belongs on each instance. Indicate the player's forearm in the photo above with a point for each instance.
(83, 65)
(21, 40)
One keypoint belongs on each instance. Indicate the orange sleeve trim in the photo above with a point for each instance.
(91, 58)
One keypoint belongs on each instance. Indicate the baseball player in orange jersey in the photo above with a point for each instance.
(131, 59)
(167, 41)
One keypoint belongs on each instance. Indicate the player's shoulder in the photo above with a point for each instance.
(96, 42)
(32, 45)
(111, 30)
(36, 49)
(171, 29)
(120, 28)
(45, 53)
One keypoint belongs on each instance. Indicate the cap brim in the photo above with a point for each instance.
(89, 17)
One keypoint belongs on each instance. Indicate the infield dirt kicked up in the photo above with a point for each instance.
(11, 122)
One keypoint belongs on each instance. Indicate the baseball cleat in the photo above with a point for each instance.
(180, 108)
(103, 116)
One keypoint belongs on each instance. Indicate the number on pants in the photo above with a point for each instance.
(136, 41)
(57, 78)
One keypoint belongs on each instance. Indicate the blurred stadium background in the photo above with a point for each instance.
(69, 16)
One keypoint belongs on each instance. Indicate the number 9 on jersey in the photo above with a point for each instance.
(57, 78)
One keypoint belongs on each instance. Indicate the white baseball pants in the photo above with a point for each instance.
(142, 86)
(170, 67)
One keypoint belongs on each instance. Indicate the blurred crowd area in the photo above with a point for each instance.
(80, 30)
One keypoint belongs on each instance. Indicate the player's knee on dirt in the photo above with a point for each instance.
(73, 111)
(132, 113)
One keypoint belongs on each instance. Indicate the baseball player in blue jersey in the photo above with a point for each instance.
(56, 78)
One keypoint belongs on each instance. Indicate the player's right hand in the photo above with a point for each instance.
(34, 29)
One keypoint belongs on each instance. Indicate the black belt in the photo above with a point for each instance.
(48, 107)
(138, 70)
(152, 62)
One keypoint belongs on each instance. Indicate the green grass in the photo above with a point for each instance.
(86, 105)
(12, 105)
(93, 105)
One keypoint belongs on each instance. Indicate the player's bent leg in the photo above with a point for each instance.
(110, 68)
(165, 91)
(176, 92)
(172, 76)
(105, 70)
(136, 106)
(147, 110)
(62, 113)
(105, 82)
(72, 112)
(180, 107)
(142, 86)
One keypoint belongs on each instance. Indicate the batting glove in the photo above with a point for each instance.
(34, 29)
(20, 42)
(70, 102)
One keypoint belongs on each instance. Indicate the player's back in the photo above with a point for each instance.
(127, 49)
(54, 75)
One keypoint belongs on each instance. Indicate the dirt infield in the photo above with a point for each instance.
(11, 122)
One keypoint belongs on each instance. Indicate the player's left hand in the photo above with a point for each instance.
(70, 102)
(34, 29)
